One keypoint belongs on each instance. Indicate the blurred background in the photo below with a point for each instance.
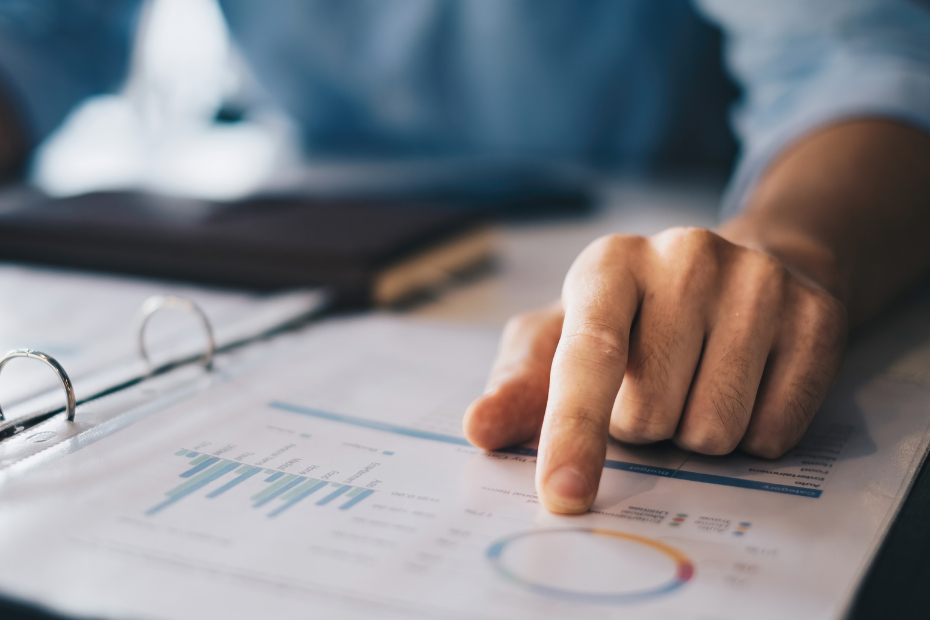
(178, 125)
(192, 120)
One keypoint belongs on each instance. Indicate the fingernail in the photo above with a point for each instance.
(567, 491)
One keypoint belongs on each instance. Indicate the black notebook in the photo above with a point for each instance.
(367, 252)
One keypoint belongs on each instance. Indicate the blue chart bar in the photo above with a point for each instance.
(333, 495)
(280, 492)
(196, 469)
(356, 499)
(297, 498)
(237, 480)
(187, 488)
(287, 487)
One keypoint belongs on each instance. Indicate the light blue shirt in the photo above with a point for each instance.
(627, 84)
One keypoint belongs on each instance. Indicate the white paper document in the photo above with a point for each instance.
(335, 483)
(86, 322)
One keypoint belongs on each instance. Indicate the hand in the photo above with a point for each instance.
(683, 336)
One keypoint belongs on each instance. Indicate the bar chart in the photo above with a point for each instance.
(278, 491)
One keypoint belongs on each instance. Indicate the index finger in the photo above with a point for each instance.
(601, 295)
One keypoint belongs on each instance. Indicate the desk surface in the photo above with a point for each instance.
(534, 259)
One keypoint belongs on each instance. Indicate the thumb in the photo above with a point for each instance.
(512, 408)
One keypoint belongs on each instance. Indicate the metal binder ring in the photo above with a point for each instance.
(158, 302)
(51, 361)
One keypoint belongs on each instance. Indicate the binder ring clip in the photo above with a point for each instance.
(159, 302)
(51, 361)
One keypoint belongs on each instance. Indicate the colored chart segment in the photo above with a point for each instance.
(280, 491)
(594, 565)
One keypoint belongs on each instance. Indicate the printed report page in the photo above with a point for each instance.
(87, 321)
(335, 482)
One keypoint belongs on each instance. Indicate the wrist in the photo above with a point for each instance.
(803, 254)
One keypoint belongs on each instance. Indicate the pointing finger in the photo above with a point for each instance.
(600, 296)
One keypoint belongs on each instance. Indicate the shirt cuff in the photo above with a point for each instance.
(892, 92)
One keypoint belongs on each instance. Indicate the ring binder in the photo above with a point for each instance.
(11, 427)
(159, 302)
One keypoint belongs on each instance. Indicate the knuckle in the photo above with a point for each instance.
(610, 248)
(766, 446)
(701, 239)
(824, 312)
(694, 279)
(763, 277)
(602, 256)
(707, 440)
(701, 248)
(766, 265)
(689, 238)
(687, 245)
(518, 323)
(641, 425)
(718, 426)
(771, 272)
(785, 424)
(594, 339)
(691, 258)
(530, 323)
(582, 421)
(620, 242)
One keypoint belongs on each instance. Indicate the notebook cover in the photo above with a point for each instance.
(261, 243)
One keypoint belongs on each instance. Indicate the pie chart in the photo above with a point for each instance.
(591, 565)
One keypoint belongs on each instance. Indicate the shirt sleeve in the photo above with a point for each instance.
(804, 64)
(54, 53)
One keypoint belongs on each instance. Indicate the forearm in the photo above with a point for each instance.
(847, 207)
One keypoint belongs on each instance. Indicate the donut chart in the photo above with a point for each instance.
(590, 565)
